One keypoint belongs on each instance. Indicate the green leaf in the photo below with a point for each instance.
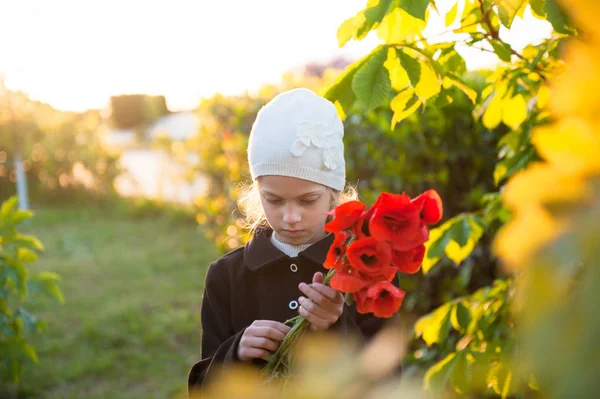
(28, 352)
(451, 15)
(374, 15)
(26, 255)
(461, 317)
(460, 231)
(371, 84)
(508, 9)
(8, 207)
(437, 248)
(502, 50)
(443, 100)
(434, 327)
(557, 18)
(438, 376)
(341, 91)
(16, 271)
(453, 61)
(454, 250)
(26, 241)
(464, 275)
(538, 7)
(462, 375)
(416, 8)
(411, 66)
(509, 165)
(19, 216)
(438, 239)
(32, 323)
(48, 283)
(500, 379)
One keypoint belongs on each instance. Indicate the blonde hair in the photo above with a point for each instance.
(254, 215)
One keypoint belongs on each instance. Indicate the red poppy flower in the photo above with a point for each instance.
(347, 279)
(369, 255)
(361, 227)
(387, 274)
(345, 216)
(431, 206)
(382, 299)
(397, 221)
(409, 261)
(336, 250)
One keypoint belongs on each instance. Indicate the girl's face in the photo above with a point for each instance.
(295, 208)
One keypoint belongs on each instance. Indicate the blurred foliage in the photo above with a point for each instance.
(418, 74)
(17, 286)
(552, 243)
(327, 368)
(62, 151)
(129, 111)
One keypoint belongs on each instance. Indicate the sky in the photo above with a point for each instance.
(75, 54)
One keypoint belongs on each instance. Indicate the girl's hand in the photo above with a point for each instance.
(260, 339)
(322, 306)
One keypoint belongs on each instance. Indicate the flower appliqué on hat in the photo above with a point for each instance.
(320, 136)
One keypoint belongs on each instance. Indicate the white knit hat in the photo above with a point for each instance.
(298, 134)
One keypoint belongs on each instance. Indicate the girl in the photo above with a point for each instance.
(296, 158)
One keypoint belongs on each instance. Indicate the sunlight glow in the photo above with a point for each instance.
(76, 54)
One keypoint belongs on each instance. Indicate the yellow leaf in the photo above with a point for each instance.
(451, 15)
(434, 235)
(471, 93)
(399, 26)
(348, 28)
(585, 14)
(524, 235)
(538, 184)
(429, 84)
(530, 52)
(543, 97)
(456, 253)
(573, 94)
(398, 76)
(469, 20)
(340, 110)
(515, 111)
(399, 106)
(493, 113)
(572, 144)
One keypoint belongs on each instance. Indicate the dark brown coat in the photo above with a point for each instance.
(259, 282)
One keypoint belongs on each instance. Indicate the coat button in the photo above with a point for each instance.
(293, 305)
(294, 267)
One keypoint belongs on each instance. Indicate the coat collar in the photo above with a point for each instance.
(260, 251)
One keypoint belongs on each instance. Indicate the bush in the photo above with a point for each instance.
(17, 287)
(62, 153)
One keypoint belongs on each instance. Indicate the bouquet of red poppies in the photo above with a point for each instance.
(370, 247)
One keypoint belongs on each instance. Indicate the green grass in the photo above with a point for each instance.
(130, 327)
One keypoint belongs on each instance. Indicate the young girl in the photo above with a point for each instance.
(296, 158)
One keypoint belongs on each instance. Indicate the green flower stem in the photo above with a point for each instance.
(279, 364)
